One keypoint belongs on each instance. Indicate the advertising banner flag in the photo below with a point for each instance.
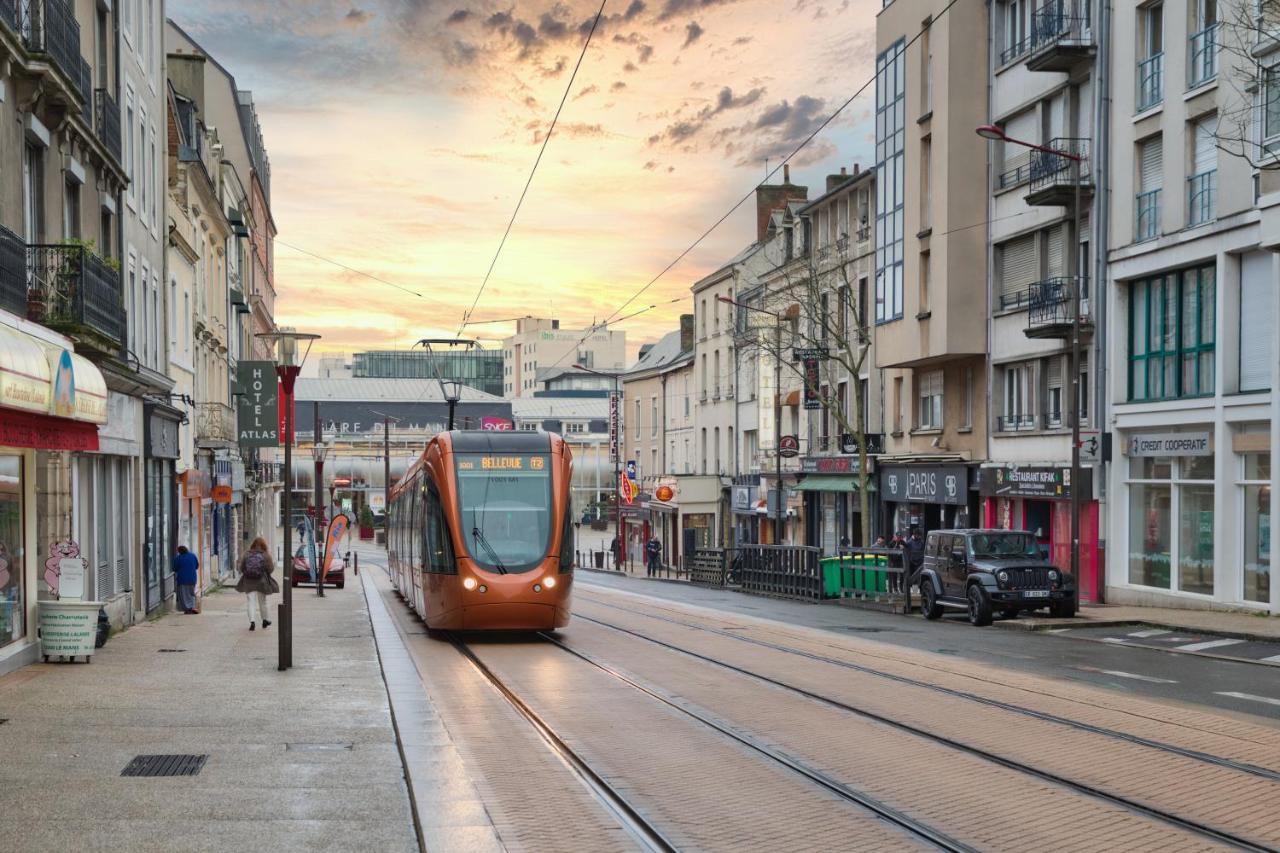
(337, 531)
(307, 548)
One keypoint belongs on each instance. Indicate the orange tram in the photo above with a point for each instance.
(480, 533)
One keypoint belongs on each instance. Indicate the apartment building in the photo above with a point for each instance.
(540, 344)
(1044, 92)
(930, 286)
(1193, 302)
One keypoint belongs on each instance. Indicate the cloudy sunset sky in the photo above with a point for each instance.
(402, 131)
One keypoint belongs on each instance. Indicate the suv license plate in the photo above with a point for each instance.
(1036, 593)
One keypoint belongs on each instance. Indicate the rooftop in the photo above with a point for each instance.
(366, 390)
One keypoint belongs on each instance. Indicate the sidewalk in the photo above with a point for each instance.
(302, 760)
(1227, 623)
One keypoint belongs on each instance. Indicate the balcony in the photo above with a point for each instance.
(1061, 36)
(74, 291)
(215, 425)
(1055, 178)
(1147, 207)
(13, 272)
(1052, 306)
(1015, 423)
(107, 122)
(1202, 59)
(49, 28)
(1202, 190)
(1016, 171)
(1150, 82)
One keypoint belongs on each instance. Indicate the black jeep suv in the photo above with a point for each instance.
(989, 571)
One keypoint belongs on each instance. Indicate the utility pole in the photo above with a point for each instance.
(777, 428)
(317, 442)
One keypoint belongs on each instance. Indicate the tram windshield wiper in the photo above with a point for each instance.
(479, 536)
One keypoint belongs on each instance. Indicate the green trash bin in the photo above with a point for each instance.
(831, 576)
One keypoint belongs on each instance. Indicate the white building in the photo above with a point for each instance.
(539, 345)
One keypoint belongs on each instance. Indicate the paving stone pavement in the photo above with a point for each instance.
(302, 760)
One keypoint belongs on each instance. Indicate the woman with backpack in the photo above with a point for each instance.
(256, 581)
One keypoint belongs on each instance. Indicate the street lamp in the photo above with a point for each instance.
(318, 452)
(386, 464)
(777, 405)
(452, 391)
(996, 134)
(288, 366)
(617, 464)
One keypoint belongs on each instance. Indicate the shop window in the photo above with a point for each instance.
(12, 576)
(1256, 485)
(1171, 335)
(1161, 491)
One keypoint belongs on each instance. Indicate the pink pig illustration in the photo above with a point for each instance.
(58, 551)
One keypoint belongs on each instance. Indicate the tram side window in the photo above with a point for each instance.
(566, 540)
(413, 503)
(392, 542)
(438, 545)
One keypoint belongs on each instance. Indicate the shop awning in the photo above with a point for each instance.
(829, 483)
(43, 378)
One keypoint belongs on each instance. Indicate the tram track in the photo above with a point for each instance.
(1021, 710)
(1189, 825)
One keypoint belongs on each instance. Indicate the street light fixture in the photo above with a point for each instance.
(318, 452)
(288, 365)
(996, 134)
(387, 420)
(617, 463)
(452, 391)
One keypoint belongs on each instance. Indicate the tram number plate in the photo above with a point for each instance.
(1036, 593)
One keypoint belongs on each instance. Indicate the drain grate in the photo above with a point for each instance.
(165, 765)
(318, 747)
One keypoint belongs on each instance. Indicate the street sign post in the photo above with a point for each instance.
(1090, 446)
(613, 427)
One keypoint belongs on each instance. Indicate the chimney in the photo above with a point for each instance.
(771, 197)
(843, 172)
(834, 181)
(686, 333)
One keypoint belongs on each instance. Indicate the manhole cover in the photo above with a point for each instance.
(318, 747)
(165, 765)
(860, 629)
(162, 651)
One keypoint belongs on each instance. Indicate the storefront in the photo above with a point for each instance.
(928, 497)
(160, 503)
(51, 401)
(698, 497)
(746, 514)
(1038, 499)
(832, 505)
(634, 518)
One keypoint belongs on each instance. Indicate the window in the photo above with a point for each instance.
(653, 415)
(1150, 180)
(71, 209)
(1202, 184)
(13, 603)
(1017, 399)
(967, 415)
(897, 405)
(1162, 490)
(926, 50)
(845, 309)
(930, 396)
(1271, 105)
(1171, 335)
(1256, 486)
(1150, 56)
(637, 430)
(33, 193)
(130, 143)
(926, 195)
(926, 273)
(1017, 268)
(1204, 47)
(106, 245)
(1014, 29)
(702, 377)
(1257, 322)
(1055, 377)
(890, 180)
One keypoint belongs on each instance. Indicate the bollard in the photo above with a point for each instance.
(356, 563)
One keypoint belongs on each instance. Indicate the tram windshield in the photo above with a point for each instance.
(504, 500)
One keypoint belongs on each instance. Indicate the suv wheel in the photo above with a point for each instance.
(979, 606)
(1063, 609)
(929, 606)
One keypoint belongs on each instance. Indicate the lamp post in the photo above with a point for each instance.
(997, 134)
(777, 405)
(288, 366)
(386, 463)
(617, 461)
(318, 452)
(452, 391)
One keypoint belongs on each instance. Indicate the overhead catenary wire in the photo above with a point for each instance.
(466, 315)
(359, 272)
(747, 196)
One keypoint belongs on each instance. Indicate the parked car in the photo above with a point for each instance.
(991, 571)
(302, 573)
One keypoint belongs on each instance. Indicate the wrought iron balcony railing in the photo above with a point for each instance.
(74, 290)
(1150, 82)
(50, 27)
(13, 273)
(215, 423)
(1202, 65)
(1015, 423)
(1147, 206)
(1052, 306)
(1202, 197)
(107, 122)
(1061, 35)
(1017, 171)
(1050, 169)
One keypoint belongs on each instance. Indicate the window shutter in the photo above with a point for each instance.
(1054, 370)
(1257, 326)
(1206, 152)
(1019, 267)
(1151, 163)
(1058, 250)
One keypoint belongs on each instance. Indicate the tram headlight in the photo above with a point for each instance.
(484, 588)
(469, 583)
(549, 582)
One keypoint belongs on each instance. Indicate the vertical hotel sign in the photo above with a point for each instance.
(614, 405)
(259, 404)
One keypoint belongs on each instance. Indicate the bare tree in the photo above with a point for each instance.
(816, 297)
(1234, 49)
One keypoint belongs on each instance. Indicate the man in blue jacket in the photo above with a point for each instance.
(187, 568)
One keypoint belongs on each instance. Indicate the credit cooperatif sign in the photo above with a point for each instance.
(1169, 444)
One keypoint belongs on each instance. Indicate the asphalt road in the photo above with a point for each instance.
(1241, 688)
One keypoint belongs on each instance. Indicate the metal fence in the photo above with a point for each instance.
(787, 571)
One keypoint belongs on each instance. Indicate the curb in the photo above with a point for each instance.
(616, 574)
(1047, 625)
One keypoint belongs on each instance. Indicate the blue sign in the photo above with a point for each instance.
(631, 469)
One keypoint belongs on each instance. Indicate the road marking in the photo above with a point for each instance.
(1248, 696)
(1207, 644)
(1056, 630)
(1273, 659)
(1119, 674)
(1155, 633)
(1113, 639)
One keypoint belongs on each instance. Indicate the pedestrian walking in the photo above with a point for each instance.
(913, 551)
(186, 566)
(256, 581)
(653, 550)
(615, 545)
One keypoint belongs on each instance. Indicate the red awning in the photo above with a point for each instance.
(42, 432)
